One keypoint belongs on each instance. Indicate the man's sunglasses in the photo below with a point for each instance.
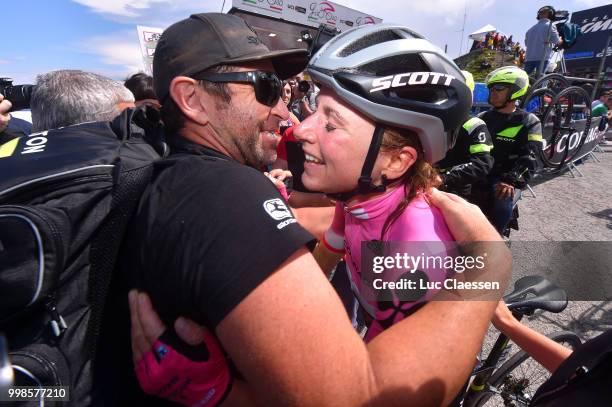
(499, 87)
(267, 85)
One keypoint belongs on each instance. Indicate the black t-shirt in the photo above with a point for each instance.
(208, 231)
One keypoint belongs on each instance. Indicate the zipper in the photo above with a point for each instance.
(28, 194)
(57, 323)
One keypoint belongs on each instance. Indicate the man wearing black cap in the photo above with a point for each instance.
(214, 241)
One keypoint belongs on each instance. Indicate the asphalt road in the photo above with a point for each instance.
(566, 235)
(568, 225)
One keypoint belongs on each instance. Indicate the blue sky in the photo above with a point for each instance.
(100, 35)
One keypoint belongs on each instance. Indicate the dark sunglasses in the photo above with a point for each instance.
(499, 87)
(267, 85)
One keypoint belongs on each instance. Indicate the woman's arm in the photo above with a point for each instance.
(326, 258)
(547, 352)
(330, 248)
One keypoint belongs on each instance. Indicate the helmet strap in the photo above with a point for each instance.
(365, 184)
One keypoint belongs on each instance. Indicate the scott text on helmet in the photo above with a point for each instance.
(414, 78)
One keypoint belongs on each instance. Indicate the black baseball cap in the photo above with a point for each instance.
(205, 40)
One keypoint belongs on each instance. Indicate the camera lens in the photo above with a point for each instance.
(19, 96)
(303, 86)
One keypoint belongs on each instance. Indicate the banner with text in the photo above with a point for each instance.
(308, 12)
(147, 38)
(596, 26)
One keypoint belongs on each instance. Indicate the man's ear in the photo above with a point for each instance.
(399, 161)
(188, 97)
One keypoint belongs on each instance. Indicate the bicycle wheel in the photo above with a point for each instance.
(515, 382)
(539, 102)
(559, 129)
(554, 81)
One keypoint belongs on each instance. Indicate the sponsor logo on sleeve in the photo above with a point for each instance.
(278, 210)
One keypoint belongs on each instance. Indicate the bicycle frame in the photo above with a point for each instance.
(480, 383)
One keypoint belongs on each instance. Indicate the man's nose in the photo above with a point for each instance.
(280, 110)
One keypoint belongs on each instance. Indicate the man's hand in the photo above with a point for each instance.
(475, 237)
(465, 221)
(504, 191)
(186, 366)
(5, 117)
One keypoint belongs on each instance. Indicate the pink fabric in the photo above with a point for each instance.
(364, 222)
(283, 191)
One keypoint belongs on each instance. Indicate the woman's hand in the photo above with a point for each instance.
(503, 318)
(278, 176)
(185, 365)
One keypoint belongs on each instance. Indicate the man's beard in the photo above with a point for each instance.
(247, 140)
(251, 149)
(237, 129)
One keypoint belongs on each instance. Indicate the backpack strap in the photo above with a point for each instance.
(106, 245)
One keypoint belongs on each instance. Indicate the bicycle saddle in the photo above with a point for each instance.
(536, 292)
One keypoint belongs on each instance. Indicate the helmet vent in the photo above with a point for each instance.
(368, 41)
(395, 64)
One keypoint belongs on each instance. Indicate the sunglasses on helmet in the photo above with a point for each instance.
(267, 85)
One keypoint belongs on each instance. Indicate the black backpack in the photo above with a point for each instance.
(66, 197)
(583, 379)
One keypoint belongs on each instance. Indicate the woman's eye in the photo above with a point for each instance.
(329, 127)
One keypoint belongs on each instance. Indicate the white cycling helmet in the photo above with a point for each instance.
(397, 78)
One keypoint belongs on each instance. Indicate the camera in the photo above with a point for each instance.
(18, 95)
(324, 34)
(303, 86)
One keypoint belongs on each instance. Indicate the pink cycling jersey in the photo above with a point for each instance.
(363, 222)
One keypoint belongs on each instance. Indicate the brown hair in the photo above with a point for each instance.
(171, 114)
(421, 176)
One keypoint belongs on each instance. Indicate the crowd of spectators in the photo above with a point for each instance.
(500, 42)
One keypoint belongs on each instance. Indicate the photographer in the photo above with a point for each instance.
(5, 117)
(304, 94)
(540, 39)
(66, 97)
(141, 85)
(11, 127)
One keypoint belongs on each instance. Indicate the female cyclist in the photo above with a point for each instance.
(385, 113)
(390, 105)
